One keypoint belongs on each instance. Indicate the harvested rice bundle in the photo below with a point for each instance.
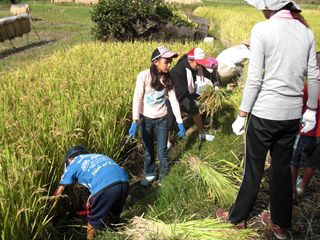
(8, 24)
(16, 26)
(205, 229)
(184, 1)
(213, 100)
(87, 2)
(218, 187)
(62, 1)
(18, 30)
(24, 23)
(17, 9)
(3, 32)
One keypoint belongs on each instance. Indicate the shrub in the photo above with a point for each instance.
(126, 19)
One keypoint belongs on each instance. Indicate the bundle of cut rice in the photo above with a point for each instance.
(17, 9)
(62, 1)
(184, 1)
(24, 23)
(8, 25)
(218, 187)
(3, 32)
(204, 229)
(87, 2)
(16, 26)
(212, 101)
(18, 31)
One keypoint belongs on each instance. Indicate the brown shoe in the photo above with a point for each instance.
(279, 232)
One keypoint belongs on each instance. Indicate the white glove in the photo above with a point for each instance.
(238, 125)
(308, 121)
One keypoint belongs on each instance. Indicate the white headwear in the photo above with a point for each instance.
(272, 5)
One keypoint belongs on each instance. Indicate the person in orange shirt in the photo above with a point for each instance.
(306, 149)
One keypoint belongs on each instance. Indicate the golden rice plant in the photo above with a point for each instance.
(80, 95)
(232, 24)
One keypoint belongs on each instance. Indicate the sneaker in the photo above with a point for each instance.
(298, 186)
(279, 232)
(147, 180)
(159, 183)
(206, 137)
(266, 218)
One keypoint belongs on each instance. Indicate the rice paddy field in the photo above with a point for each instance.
(79, 91)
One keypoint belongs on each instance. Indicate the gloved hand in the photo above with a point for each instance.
(308, 120)
(133, 130)
(238, 125)
(182, 130)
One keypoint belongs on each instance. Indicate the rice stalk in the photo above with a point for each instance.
(218, 187)
(205, 229)
(212, 101)
(75, 96)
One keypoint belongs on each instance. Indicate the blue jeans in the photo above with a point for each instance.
(159, 128)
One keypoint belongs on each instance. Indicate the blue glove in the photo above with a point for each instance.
(133, 130)
(182, 130)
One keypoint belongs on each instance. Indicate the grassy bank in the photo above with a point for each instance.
(59, 26)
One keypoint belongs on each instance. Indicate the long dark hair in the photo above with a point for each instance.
(155, 79)
(296, 14)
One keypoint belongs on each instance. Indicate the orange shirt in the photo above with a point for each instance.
(316, 131)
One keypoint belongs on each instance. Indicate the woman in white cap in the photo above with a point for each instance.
(153, 87)
(282, 55)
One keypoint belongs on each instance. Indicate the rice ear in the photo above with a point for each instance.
(17, 9)
(212, 101)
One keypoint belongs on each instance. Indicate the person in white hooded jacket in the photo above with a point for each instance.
(230, 61)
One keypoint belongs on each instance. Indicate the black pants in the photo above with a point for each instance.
(106, 206)
(187, 105)
(261, 135)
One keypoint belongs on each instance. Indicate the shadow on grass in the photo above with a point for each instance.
(14, 50)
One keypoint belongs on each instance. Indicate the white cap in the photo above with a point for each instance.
(272, 5)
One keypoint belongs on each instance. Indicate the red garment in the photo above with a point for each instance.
(316, 131)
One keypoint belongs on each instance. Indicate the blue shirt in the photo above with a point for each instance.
(94, 171)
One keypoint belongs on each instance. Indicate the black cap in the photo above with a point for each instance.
(75, 151)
